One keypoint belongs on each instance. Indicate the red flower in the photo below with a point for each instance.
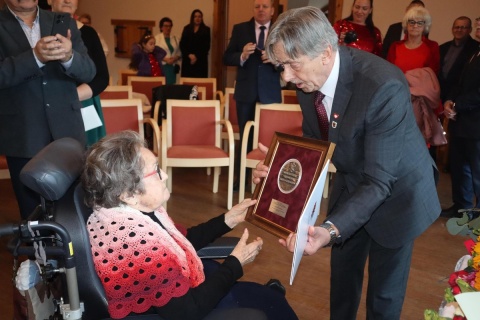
(469, 244)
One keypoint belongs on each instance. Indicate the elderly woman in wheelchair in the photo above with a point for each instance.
(146, 262)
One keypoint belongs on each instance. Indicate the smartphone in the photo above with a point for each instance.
(61, 24)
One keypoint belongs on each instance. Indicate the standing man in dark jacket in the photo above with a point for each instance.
(462, 107)
(455, 53)
(257, 79)
(383, 195)
(39, 73)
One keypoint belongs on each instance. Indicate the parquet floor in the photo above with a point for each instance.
(192, 201)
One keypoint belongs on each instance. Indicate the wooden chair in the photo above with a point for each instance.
(4, 173)
(127, 114)
(210, 85)
(191, 137)
(117, 92)
(289, 97)
(286, 118)
(230, 114)
(145, 84)
(123, 76)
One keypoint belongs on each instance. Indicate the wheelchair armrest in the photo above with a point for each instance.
(218, 249)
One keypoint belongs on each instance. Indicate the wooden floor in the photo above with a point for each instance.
(192, 201)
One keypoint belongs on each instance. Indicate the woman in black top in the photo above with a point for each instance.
(195, 44)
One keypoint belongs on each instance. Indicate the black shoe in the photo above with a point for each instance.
(451, 212)
(276, 285)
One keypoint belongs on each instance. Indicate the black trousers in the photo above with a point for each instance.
(465, 171)
(388, 271)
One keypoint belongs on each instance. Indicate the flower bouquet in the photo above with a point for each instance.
(466, 277)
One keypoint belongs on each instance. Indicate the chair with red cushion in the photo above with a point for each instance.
(230, 114)
(191, 137)
(269, 118)
(289, 96)
(127, 114)
(117, 92)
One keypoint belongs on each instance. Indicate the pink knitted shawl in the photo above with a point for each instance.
(139, 263)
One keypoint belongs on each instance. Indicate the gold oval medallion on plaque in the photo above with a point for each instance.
(289, 176)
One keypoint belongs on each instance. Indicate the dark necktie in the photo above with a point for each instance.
(261, 38)
(321, 115)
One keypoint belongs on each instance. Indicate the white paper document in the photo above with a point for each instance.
(91, 120)
(470, 304)
(308, 218)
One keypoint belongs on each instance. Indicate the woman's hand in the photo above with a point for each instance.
(237, 213)
(193, 58)
(246, 253)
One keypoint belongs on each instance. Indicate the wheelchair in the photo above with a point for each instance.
(60, 223)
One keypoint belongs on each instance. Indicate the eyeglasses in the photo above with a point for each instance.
(156, 171)
(418, 23)
(461, 27)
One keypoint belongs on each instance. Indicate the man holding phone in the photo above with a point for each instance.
(39, 72)
(257, 80)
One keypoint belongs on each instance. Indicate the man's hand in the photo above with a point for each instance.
(52, 48)
(265, 57)
(248, 49)
(317, 238)
(237, 214)
(246, 253)
(261, 170)
(449, 109)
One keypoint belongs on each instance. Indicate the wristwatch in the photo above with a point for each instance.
(333, 234)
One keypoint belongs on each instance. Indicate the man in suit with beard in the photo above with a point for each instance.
(384, 194)
(39, 73)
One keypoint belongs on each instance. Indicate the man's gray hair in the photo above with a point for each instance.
(302, 31)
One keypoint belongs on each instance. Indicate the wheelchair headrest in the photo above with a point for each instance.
(53, 170)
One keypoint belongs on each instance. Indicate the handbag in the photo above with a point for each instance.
(439, 136)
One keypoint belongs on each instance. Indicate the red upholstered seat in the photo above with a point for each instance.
(191, 137)
(117, 92)
(286, 118)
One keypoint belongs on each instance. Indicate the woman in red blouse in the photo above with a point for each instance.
(416, 51)
(368, 37)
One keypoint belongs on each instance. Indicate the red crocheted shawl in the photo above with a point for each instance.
(139, 263)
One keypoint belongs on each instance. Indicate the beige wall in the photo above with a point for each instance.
(103, 11)
(385, 13)
(443, 13)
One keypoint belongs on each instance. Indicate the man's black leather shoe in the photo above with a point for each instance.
(276, 285)
(451, 212)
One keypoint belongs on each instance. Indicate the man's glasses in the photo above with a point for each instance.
(156, 171)
(418, 23)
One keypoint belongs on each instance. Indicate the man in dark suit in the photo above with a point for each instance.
(384, 194)
(395, 31)
(455, 53)
(453, 56)
(39, 73)
(462, 107)
(257, 79)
